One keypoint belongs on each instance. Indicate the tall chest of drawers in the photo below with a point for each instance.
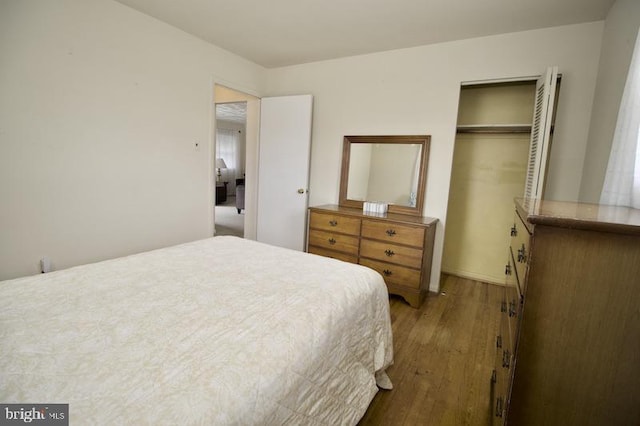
(568, 348)
(510, 314)
(399, 247)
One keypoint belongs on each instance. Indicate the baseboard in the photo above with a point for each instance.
(475, 276)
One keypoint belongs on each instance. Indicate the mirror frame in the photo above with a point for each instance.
(424, 140)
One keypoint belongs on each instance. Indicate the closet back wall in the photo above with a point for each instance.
(488, 171)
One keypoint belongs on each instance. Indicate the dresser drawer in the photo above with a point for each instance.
(393, 232)
(499, 392)
(506, 352)
(520, 245)
(504, 345)
(334, 241)
(514, 308)
(333, 254)
(395, 274)
(504, 340)
(335, 223)
(406, 256)
(511, 274)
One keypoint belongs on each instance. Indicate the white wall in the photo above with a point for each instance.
(100, 110)
(415, 91)
(620, 32)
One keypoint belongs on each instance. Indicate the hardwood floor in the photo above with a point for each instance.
(444, 355)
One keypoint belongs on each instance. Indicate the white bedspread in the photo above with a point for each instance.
(218, 331)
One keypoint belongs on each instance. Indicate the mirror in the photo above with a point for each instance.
(391, 169)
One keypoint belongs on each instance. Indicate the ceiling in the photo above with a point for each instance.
(235, 112)
(286, 32)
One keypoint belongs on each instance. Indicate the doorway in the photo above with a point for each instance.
(230, 168)
(240, 118)
(277, 122)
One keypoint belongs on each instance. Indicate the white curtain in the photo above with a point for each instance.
(228, 148)
(622, 181)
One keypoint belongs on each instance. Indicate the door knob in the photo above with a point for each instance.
(300, 190)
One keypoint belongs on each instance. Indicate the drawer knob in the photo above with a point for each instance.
(389, 253)
(494, 376)
(507, 269)
(333, 222)
(332, 241)
(512, 308)
(387, 273)
(498, 341)
(503, 306)
(506, 359)
(499, 404)
(391, 232)
(514, 230)
(522, 255)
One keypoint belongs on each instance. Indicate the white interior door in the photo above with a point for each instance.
(541, 133)
(283, 171)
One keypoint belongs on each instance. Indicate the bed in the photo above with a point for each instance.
(217, 331)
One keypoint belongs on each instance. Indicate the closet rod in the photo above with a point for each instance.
(494, 128)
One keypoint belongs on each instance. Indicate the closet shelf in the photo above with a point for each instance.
(494, 128)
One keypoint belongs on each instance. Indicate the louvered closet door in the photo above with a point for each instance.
(541, 133)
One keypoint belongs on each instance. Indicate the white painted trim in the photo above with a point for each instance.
(531, 78)
(235, 86)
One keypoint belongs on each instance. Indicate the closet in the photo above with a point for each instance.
(504, 137)
(489, 169)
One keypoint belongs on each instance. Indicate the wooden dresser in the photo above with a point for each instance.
(568, 347)
(399, 247)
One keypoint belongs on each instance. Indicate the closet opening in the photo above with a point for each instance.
(490, 165)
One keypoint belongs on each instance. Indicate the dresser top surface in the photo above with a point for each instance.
(596, 217)
(421, 220)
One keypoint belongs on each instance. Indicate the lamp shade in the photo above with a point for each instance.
(220, 164)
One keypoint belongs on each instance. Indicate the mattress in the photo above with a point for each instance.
(217, 331)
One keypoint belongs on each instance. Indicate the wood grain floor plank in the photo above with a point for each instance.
(444, 355)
